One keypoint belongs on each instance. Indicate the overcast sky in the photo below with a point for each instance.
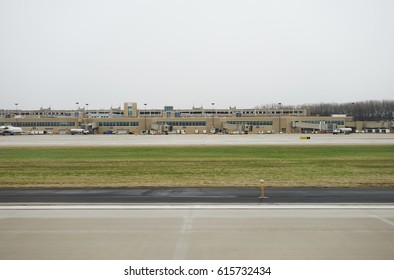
(191, 53)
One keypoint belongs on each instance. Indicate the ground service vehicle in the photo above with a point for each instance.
(74, 131)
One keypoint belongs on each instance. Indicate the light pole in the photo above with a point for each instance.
(16, 112)
(145, 117)
(353, 114)
(280, 113)
(76, 115)
(87, 116)
(213, 116)
(76, 110)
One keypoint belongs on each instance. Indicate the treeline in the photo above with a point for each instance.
(372, 110)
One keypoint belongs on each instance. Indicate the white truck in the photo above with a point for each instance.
(343, 130)
(74, 131)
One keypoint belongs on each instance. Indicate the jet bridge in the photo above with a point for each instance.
(237, 128)
(322, 126)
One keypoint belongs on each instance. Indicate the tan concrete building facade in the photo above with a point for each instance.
(131, 120)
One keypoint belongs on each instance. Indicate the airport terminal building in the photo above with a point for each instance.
(132, 120)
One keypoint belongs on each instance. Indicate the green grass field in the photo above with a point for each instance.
(221, 166)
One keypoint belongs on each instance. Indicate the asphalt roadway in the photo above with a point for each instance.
(198, 195)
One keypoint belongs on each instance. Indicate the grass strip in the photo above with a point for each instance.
(220, 166)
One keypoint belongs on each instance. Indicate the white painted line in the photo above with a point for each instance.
(384, 220)
(49, 206)
(181, 247)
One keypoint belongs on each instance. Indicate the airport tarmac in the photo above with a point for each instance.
(197, 223)
(198, 232)
(193, 140)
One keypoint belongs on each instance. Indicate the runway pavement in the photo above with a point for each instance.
(197, 232)
(172, 224)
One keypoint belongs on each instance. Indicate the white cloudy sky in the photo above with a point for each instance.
(179, 52)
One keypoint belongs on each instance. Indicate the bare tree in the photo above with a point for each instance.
(371, 110)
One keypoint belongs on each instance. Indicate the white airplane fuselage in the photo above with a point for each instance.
(10, 130)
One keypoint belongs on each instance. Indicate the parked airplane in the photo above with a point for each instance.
(10, 130)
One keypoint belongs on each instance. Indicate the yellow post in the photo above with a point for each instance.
(262, 185)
